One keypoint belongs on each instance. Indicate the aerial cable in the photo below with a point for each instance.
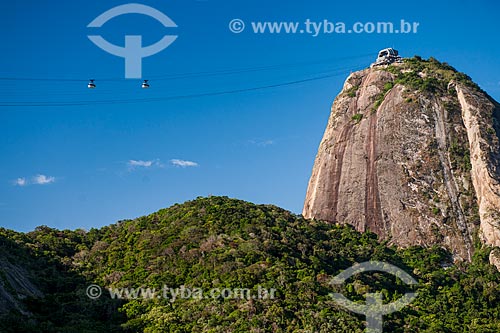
(190, 74)
(168, 98)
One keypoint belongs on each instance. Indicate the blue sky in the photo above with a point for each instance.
(111, 157)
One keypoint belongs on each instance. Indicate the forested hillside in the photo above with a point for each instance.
(217, 242)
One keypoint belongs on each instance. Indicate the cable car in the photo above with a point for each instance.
(386, 57)
(145, 84)
(91, 84)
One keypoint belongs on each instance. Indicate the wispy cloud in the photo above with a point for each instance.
(133, 164)
(183, 163)
(140, 163)
(43, 180)
(266, 143)
(35, 180)
(20, 182)
(261, 143)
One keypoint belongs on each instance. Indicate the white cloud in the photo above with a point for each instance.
(183, 163)
(261, 143)
(133, 164)
(35, 180)
(140, 163)
(43, 180)
(266, 143)
(20, 182)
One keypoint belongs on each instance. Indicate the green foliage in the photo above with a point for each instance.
(351, 92)
(460, 156)
(43, 256)
(388, 86)
(429, 76)
(357, 117)
(218, 242)
(380, 98)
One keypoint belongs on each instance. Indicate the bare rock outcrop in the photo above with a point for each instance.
(15, 285)
(411, 152)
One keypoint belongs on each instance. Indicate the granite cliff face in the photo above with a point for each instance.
(15, 285)
(411, 152)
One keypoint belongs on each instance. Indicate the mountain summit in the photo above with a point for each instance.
(411, 152)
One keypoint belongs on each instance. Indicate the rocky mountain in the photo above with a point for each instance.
(411, 152)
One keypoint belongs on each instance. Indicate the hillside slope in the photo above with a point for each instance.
(218, 242)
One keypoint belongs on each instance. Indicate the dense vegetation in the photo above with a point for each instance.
(218, 242)
(429, 75)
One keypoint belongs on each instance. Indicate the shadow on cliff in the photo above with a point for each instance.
(496, 117)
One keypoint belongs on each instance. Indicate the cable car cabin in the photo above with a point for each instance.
(386, 57)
